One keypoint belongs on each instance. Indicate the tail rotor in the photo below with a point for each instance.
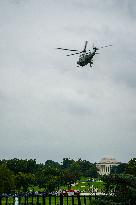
(95, 48)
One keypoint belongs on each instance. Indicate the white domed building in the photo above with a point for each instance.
(105, 165)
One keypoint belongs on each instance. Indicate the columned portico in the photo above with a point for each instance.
(105, 165)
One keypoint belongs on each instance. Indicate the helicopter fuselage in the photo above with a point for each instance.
(86, 58)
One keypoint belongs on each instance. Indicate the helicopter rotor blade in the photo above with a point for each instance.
(66, 49)
(106, 46)
(72, 54)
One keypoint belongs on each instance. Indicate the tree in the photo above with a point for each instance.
(70, 171)
(120, 169)
(122, 187)
(20, 165)
(131, 167)
(7, 183)
(51, 183)
(67, 163)
(48, 176)
(24, 180)
(87, 169)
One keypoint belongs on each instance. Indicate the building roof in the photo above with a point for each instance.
(107, 160)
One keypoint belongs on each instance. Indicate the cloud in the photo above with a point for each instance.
(51, 109)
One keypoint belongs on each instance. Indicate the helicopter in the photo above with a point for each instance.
(84, 57)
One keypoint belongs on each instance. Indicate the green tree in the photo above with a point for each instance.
(7, 183)
(131, 167)
(24, 180)
(70, 171)
(20, 165)
(51, 183)
(67, 162)
(87, 169)
(48, 176)
(122, 187)
(120, 169)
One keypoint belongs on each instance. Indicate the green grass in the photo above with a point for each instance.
(83, 185)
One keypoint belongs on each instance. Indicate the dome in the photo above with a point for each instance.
(107, 160)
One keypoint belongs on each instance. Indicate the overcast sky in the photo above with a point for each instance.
(49, 108)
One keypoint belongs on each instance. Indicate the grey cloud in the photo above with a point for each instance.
(49, 107)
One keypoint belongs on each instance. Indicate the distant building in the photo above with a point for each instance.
(105, 165)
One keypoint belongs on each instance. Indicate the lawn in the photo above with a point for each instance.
(85, 185)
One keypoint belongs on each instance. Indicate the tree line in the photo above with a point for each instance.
(19, 174)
